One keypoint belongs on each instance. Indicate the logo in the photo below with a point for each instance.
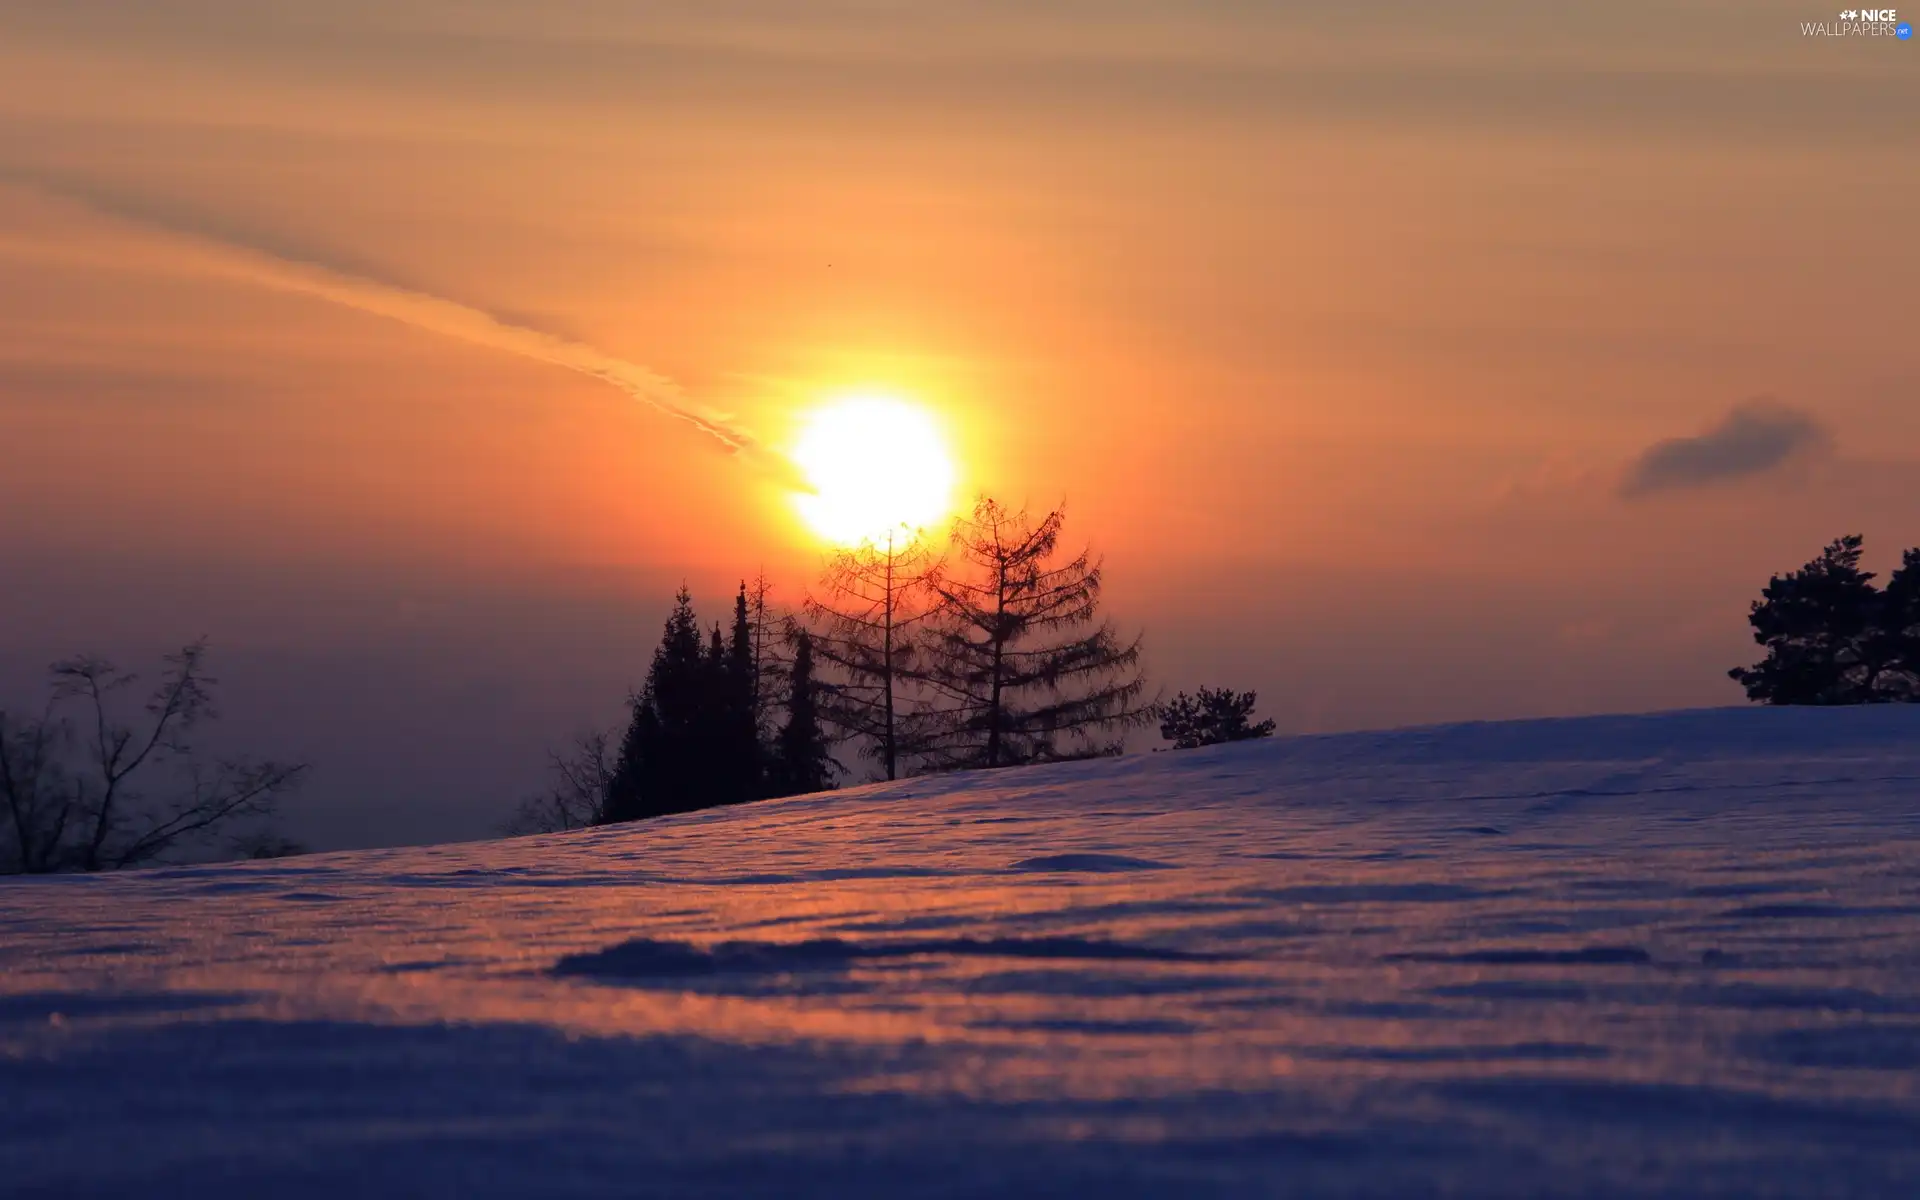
(1861, 22)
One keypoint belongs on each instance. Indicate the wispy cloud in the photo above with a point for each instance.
(260, 262)
(1752, 439)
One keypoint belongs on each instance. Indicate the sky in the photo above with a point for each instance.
(1406, 362)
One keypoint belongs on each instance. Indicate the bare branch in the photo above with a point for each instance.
(78, 802)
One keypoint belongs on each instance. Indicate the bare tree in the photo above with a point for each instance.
(771, 633)
(76, 782)
(37, 792)
(1025, 668)
(577, 796)
(863, 633)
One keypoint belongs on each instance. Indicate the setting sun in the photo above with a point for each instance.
(876, 465)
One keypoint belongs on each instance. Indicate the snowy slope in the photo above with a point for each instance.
(1672, 954)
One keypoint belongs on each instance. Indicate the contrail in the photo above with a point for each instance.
(425, 311)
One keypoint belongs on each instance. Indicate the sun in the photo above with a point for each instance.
(877, 466)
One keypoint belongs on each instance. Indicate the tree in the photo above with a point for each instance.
(1898, 644)
(1210, 716)
(803, 756)
(693, 740)
(582, 782)
(78, 793)
(1025, 668)
(1821, 626)
(736, 765)
(41, 801)
(768, 632)
(876, 595)
(662, 762)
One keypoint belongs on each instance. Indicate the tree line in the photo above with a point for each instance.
(989, 651)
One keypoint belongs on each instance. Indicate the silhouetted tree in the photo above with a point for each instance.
(1821, 626)
(76, 794)
(738, 761)
(582, 781)
(1899, 640)
(664, 757)
(768, 635)
(1025, 668)
(1210, 716)
(803, 758)
(862, 631)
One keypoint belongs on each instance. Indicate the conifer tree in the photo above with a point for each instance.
(1821, 626)
(664, 756)
(876, 595)
(742, 654)
(803, 759)
(1898, 645)
(1211, 716)
(738, 763)
(1025, 668)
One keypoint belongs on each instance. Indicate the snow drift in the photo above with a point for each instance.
(1665, 954)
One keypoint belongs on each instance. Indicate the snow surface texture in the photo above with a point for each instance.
(1675, 954)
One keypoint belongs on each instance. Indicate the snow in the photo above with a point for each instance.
(1668, 954)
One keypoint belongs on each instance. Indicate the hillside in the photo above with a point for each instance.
(1666, 954)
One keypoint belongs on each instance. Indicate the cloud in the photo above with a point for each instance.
(277, 266)
(1754, 438)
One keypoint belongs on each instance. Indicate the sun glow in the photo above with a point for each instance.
(877, 466)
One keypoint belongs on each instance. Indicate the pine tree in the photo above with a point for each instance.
(876, 596)
(738, 765)
(803, 759)
(1820, 626)
(1898, 644)
(1026, 669)
(664, 757)
(1209, 717)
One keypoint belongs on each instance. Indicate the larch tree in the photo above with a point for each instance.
(862, 629)
(768, 633)
(1023, 666)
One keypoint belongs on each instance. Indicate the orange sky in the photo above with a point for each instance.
(1338, 327)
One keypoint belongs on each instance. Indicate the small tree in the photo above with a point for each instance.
(1822, 630)
(768, 632)
(80, 795)
(1025, 668)
(803, 756)
(876, 595)
(1210, 716)
(582, 780)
